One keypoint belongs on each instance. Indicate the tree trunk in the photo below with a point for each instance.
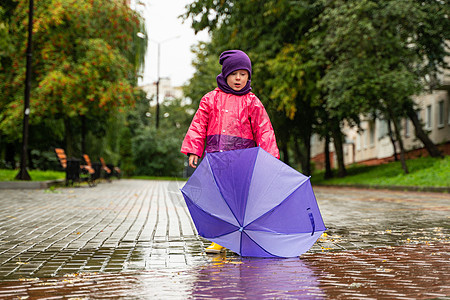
(284, 150)
(328, 172)
(307, 169)
(10, 153)
(299, 157)
(339, 148)
(421, 134)
(400, 143)
(68, 138)
(83, 135)
(391, 136)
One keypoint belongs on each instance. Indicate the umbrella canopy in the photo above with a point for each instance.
(253, 204)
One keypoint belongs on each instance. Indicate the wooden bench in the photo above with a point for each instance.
(115, 171)
(75, 171)
(106, 171)
(61, 155)
(88, 168)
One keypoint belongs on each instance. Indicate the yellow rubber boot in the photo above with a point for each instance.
(214, 248)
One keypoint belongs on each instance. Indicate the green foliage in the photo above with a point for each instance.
(5, 40)
(86, 61)
(325, 62)
(424, 172)
(204, 80)
(282, 76)
(150, 151)
(83, 62)
(156, 153)
(376, 53)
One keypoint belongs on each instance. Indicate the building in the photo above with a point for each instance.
(372, 145)
(167, 92)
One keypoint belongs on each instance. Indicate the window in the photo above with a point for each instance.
(382, 129)
(358, 142)
(441, 114)
(428, 120)
(371, 134)
(365, 139)
(448, 112)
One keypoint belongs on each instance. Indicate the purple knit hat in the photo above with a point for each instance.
(233, 60)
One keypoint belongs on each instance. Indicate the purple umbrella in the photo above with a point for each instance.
(253, 204)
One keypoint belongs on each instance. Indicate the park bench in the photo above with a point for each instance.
(115, 171)
(107, 172)
(93, 173)
(75, 171)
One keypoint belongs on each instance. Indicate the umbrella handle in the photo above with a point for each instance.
(311, 218)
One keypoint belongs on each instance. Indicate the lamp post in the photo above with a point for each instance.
(23, 173)
(158, 79)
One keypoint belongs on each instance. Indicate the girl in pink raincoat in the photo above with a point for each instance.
(230, 117)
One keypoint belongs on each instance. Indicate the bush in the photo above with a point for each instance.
(157, 153)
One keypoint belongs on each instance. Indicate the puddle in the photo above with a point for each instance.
(412, 271)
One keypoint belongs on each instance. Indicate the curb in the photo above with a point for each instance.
(29, 184)
(432, 189)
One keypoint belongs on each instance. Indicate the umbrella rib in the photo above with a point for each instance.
(195, 204)
(286, 233)
(251, 181)
(220, 192)
(257, 244)
(293, 191)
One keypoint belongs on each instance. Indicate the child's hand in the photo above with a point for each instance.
(193, 160)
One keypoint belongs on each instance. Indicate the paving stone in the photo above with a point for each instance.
(135, 239)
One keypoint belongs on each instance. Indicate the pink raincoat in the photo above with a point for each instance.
(229, 122)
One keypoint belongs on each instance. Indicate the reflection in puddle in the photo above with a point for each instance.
(418, 271)
(224, 277)
(252, 278)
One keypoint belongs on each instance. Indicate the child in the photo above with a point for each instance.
(230, 117)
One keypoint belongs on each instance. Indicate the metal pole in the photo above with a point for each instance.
(159, 79)
(23, 173)
(157, 90)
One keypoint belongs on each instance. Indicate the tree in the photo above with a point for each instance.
(325, 63)
(87, 58)
(206, 69)
(156, 152)
(378, 54)
(269, 36)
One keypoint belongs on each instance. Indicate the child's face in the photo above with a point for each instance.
(238, 79)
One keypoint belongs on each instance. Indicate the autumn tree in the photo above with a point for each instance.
(87, 57)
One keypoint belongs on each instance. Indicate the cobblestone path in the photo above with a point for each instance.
(134, 239)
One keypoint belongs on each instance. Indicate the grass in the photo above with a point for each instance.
(36, 175)
(423, 172)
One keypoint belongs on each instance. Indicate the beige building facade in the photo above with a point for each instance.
(167, 92)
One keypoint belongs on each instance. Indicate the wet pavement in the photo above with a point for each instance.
(134, 239)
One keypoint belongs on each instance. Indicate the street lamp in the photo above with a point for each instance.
(23, 173)
(157, 82)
